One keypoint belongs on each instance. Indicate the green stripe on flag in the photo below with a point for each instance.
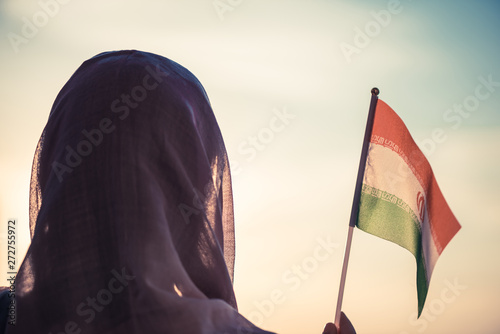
(388, 217)
(422, 286)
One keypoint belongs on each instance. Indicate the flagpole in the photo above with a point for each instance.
(355, 202)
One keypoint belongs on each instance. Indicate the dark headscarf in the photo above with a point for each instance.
(130, 207)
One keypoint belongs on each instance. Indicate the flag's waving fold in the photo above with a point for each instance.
(400, 199)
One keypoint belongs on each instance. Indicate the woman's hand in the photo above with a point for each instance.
(345, 327)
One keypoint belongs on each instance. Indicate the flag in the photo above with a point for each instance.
(400, 200)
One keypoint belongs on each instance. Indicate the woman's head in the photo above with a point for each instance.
(130, 175)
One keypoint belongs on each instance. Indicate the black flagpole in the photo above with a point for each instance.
(355, 201)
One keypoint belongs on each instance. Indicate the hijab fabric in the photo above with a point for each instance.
(131, 211)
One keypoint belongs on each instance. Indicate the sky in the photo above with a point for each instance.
(289, 82)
